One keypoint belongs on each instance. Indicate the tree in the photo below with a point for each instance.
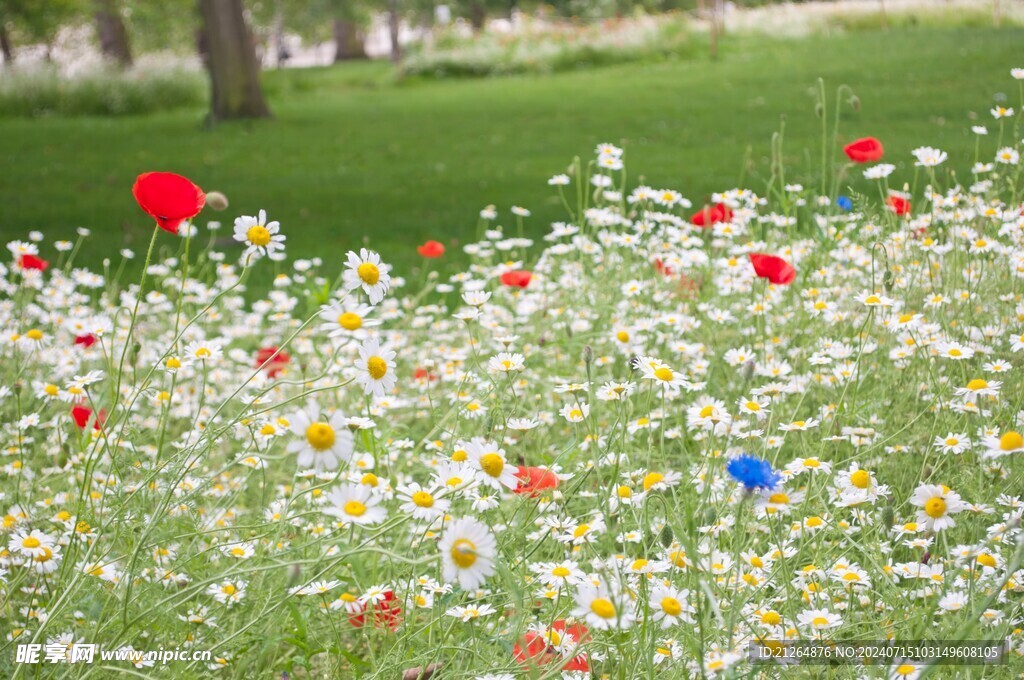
(229, 53)
(111, 32)
(348, 38)
(394, 24)
(36, 22)
(5, 42)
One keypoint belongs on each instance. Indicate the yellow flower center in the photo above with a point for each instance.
(52, 390)
(258, 235)
(369, 273)
(778, 498)
(986, 560)
(580, 530)
(624, 492)
(771, 618)
(651, 479)
(671, 606)
(603, 607)
(454, 482)
(423, 499)
(623, 336)
(954, 352)
(707, 411)
(464, 553)
(369, 479)
(31, 542)
(34, 334)
(639, 564)
(377, 367)
(320, 436)
(228, 589)
(860, 479)
(664, 374)
(560, 572)
(459, 455)
(492, 464)
(872, 300)
(1010, 441)
(355, 508)
(350, 321)
(905, 669)
(818, 621)
(977, 384)
(935, 507)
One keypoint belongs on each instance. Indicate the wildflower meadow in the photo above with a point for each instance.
(665, 436)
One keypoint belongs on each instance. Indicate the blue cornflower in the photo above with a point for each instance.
(845, 203)
(752, 472)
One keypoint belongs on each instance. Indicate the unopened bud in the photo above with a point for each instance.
(216, 200)
(855, 102)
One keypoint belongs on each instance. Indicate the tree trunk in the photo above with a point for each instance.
(348, 41)
(231, 61)
(6, 48)
(394, 22)
(477, 16)
(111, 32)
(280, 51)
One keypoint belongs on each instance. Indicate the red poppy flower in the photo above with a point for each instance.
(87, 340)
(168, 198)
(27, 261)
(533, 650)
(534, 480)
(386, 613)
(423, 374)
(898, 204)
(720, 212)
(81, 414)
(431, 249)
(773, 268)
(519, 278)
(662, 268)
(866, 150)
(274, 364)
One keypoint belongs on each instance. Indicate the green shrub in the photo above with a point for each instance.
(549, 48)
(148, 87)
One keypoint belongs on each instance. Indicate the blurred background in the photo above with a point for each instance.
(389, 122)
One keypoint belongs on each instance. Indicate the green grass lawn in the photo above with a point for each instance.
(355, 156)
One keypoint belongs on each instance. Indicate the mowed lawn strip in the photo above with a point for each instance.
(355, 156)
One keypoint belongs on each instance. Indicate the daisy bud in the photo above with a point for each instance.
(18, 387)
(588, 354)
(216, 200)
(855, 102)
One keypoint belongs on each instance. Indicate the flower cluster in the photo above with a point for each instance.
(670, 432)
